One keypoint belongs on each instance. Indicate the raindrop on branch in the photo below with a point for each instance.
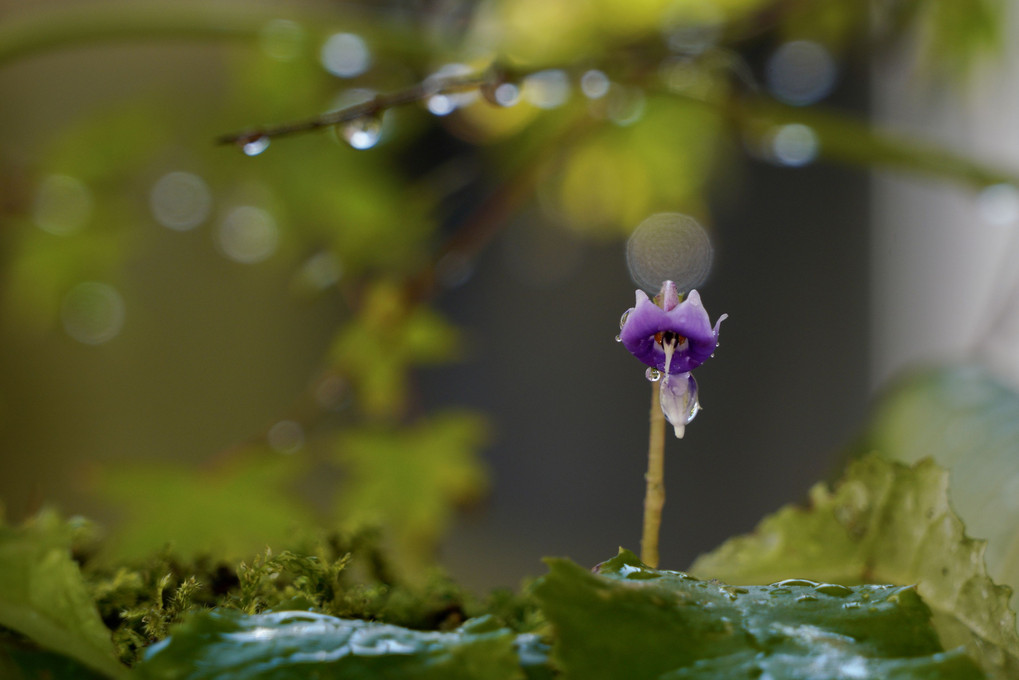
(501, 93)
(363, 132)
(253, 145)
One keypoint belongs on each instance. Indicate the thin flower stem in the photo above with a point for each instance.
(654, 497)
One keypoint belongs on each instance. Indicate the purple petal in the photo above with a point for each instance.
(688, 319)
(678, 396)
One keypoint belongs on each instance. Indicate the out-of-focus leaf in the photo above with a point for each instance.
(390, 335)
(886, 523)
(231, 512)
(33, 664)
(968, 422)
(43, 596)
(952, 35)
(299, 645)
(409, 481)
(846, 139)
(631, 621)
(662, 160)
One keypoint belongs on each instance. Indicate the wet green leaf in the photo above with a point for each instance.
(631, 621)
(885, 523)
(966, 420)
(297, 645)
(43, 596)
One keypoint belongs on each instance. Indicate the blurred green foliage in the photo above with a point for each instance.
(678, 102)
(683, 100)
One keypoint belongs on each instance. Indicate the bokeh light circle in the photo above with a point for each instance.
(92, 313)
(669, 246)
(248, 235)
(180, 200)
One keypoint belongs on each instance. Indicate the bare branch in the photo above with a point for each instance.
(373, 107)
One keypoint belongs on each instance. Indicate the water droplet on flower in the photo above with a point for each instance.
(624, 317)
(252, 146)
(652, 374)
(363, 132)
(619, 339)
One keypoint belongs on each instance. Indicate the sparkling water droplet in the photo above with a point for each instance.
(363, 132)
(623, 318)
(652, 374)
(441, 104)
(500, 93)
(252, 146)
(618, 339)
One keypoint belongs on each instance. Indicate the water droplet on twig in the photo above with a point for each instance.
(254, 144)
(363, 132)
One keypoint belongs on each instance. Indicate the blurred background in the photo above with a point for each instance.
(408, 321)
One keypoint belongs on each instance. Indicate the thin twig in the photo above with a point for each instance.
(654, 497)
(373, 107)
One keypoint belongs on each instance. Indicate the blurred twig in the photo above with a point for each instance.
(371, 108)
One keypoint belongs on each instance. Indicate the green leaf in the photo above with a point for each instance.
(631, 621)
(965, 420)
(43, 596)
(231, 511)
(297, 645)
(887, 523)
(391, 335)
(410, 480)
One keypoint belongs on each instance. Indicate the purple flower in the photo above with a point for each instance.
(649, 329)
(673, 338)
